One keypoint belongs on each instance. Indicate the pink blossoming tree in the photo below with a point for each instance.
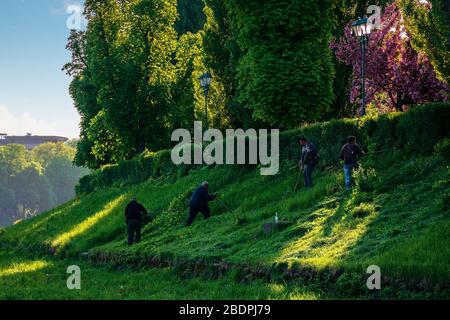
(396, 75)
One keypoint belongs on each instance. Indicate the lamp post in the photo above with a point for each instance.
(205, 81)
(361, 29)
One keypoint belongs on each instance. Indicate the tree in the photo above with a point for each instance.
(222, 55)
(343, 12)
(58, 172)
(35, 181)
(285, 72)
(46, 152)
(129, 86)
(428, 22)
(7, 204)
(33, 193)
(396, 75)
(62, 176)
(191, 17)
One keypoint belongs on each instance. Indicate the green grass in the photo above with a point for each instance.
(397, 217)
(23, 277)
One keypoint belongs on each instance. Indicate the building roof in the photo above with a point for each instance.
(29, 141)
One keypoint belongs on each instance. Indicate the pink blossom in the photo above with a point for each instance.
(393, 67)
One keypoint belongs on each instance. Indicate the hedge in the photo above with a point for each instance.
(415, 132)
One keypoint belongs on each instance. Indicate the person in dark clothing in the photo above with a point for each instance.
(199, 203)
(308, 159)
(133, 217)
(350, 153)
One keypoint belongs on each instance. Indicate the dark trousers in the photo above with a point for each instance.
(193, 211)
(307, 174)
(134, 231)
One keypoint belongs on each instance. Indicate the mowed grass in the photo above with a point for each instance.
(397, 217)
(24, 277)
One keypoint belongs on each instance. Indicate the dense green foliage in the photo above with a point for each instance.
(429, 25)
(283, 64)
(136, 77)
(191, 17)
(273, 59)
(396, 217)
(35, 181)
(131, 89)
(395, 130)
(136, 67)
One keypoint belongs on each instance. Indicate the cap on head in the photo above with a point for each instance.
(351, 139)
(205, 184)
(133, 199)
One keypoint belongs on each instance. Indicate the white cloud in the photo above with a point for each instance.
(27, 123)
(73, 10)
(63, 8)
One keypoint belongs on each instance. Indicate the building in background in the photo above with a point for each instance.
(29, 141)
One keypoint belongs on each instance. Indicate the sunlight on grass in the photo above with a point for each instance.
(23, 268)
(41, 221)
(87, 224)
(327, 241)
(281, 290)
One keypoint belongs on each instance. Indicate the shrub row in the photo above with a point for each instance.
(145, 166)
(415, 132)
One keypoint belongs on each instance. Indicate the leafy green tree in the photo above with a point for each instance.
(58, 172)
(129, 86)
(46, 152)
(35, 181)
(428, 22)
(14, 158)
(7, 204)
(191, 16)
(285, 73)
(84, 93)
(222, 55)
(33, 192)
(62, 176)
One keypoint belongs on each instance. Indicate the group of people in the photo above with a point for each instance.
(309, 159)
(135, 212)
(198, 202)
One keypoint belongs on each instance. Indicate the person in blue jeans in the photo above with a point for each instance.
(309, 159)
(350, 153)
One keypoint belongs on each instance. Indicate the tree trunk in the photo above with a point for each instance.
(399, 103)
(140, 147)
(402, 100)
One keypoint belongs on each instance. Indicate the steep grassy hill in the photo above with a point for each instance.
(397, 217)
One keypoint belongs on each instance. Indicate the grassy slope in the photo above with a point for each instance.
(397, 218)
(26, 277)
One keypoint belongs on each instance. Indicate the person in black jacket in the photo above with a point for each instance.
(308, 159)
(350, 153)
(133, 217)
(199, 203)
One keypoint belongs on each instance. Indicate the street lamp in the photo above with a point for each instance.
(205, 81)
(361, 29)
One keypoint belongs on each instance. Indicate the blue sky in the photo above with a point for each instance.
(34, 93)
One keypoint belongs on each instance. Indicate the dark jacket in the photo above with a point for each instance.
(350, 153)
(134, 211)
(200, 198)
(309, 154)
